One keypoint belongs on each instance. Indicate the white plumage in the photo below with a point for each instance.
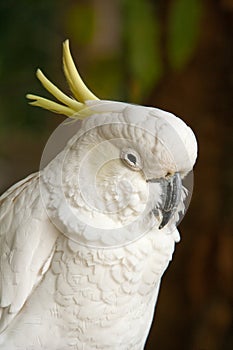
(81, 250)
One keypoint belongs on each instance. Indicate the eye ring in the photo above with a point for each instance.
(132, 159)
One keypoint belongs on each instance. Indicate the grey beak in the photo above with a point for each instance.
(171, 189)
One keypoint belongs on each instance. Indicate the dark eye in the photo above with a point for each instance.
(132, 159)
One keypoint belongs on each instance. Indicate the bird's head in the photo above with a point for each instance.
(122, 169)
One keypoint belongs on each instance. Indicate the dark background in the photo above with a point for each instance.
(173, 54)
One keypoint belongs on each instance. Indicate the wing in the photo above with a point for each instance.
(27, 240)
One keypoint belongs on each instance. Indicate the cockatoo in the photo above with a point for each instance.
(85, 241)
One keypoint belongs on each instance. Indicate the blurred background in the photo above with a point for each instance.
(173, 54)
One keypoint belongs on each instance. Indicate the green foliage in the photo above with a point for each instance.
(107, 75)
(80, 21)
(141, 34)
(31, 34)
(27, 30)
(183, 31)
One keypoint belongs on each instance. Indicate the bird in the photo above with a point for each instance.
(84, 242)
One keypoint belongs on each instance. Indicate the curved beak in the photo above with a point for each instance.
(171, 194)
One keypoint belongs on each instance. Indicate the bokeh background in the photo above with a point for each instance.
(173, 54)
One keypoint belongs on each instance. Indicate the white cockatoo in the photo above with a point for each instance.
(85, 241)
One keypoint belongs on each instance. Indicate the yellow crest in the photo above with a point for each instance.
(70, 106)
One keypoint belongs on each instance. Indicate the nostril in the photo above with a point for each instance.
(168, 174)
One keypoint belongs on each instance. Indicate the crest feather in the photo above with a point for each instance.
(70, 107)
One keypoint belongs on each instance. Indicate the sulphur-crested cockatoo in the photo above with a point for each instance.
(85, 241)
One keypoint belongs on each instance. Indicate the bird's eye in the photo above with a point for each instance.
(132, 159)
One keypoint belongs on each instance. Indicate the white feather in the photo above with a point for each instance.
(75, 276)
